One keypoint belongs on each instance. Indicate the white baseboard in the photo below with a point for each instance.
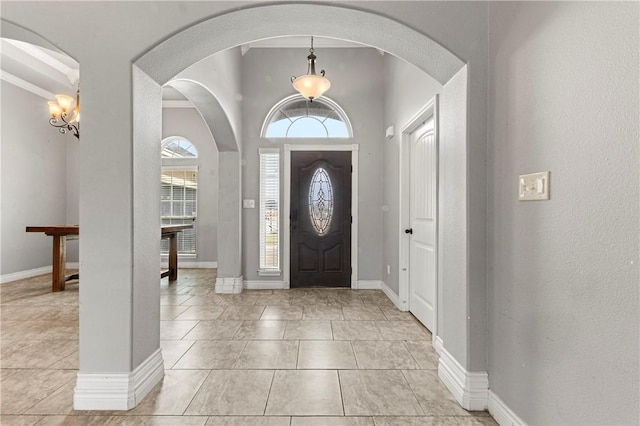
(502, 413)
(264, 285)
(470, 389)
(368, 285)
(193, 264)
(21, 275)
(229, 285)
(15, 276)
(118, 391)
(438, 344)
(392, 296)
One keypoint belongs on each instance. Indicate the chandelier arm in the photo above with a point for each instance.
(65, 126)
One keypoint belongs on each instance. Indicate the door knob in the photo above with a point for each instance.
(408, 231)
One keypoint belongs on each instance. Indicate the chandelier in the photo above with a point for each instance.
(59, 110)
(311, 85)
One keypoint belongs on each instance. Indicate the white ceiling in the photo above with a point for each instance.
(39, 70)
(46, 73)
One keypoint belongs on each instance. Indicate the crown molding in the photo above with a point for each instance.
(25, 85)
(48, 60)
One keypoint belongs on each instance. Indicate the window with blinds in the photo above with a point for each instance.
(269, 211)
(178, 206)
(179, 192)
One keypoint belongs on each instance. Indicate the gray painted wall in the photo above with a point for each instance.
(407, 90)
(563, 277)
(356, 77)
(73, 193)
(187, 123)
(34, 179)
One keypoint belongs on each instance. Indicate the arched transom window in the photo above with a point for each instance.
(297, 117)
(175, 147)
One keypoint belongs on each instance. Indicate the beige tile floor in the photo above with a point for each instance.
(263, 357)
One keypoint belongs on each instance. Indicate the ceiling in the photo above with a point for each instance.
(46, 73)
(38, 70)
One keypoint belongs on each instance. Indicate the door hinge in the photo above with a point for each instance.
(351, 219)
(351, 169)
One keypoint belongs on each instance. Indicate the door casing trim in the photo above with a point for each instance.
(286, 234)
(430, 109)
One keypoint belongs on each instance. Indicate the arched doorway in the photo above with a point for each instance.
(168, 58)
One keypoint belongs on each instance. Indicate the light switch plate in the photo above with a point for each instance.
(533, 187)
(249, 204)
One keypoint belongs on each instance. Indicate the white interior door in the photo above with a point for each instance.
(423, 208)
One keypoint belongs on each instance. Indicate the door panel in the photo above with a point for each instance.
(422, 250)
(321, 218)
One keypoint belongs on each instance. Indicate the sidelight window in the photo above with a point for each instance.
(269, 211)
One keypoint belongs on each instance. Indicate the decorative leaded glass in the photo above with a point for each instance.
(321, 201)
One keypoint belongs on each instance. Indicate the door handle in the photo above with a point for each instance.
(408, 231)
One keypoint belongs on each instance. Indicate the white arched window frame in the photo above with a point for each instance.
(297, 117)
(179, 192)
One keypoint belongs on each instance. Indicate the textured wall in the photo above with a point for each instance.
(563, 277)
(33, 179)
(407, 90)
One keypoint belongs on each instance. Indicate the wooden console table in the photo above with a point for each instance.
(61, 232)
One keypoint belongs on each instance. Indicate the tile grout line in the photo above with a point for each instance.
(413, 392)
(344, 412)
(193, 342)
(195, 394)
(266, 403)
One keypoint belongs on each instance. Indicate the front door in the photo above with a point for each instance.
(321, 219)
(422, 249)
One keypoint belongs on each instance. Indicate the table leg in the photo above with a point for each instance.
(173, 257)
(59, 262)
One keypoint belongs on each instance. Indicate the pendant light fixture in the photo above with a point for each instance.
(311, 85)
(59, 113)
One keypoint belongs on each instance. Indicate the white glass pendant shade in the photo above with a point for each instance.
(311, 86)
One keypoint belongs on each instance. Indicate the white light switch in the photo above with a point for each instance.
(249, 204)
(533, 187)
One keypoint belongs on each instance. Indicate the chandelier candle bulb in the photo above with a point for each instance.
(64, 101)
(54, 109)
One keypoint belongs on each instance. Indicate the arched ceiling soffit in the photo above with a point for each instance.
(16, 32)
(180, 51)
(210, 110)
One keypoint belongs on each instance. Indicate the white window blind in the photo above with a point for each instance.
(178, 206)
(269, 211)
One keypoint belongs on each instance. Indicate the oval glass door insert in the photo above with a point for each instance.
(321, 201)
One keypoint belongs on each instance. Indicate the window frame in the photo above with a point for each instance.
(296, 98)
(268, 185)
(184, 164)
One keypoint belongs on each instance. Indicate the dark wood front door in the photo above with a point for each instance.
(321, 219)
